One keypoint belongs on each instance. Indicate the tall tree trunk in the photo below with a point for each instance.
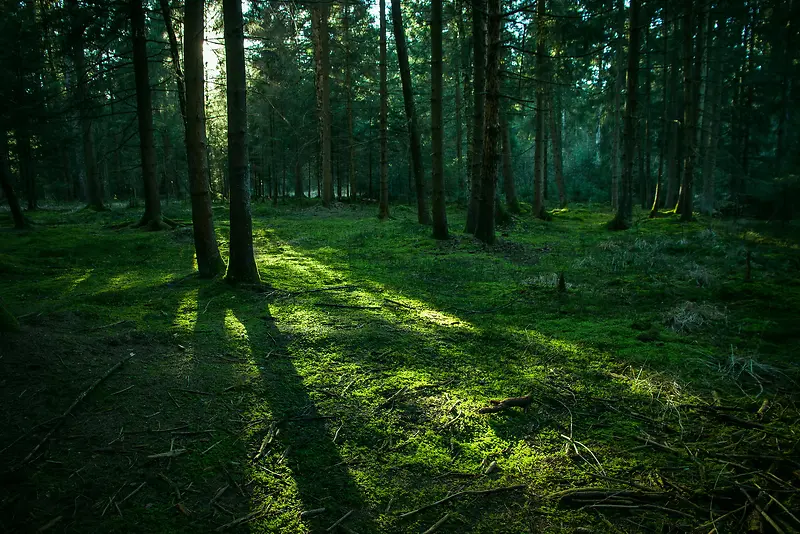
(478, 90)
(665, 123)
(298, 170)
(319, 25)
(714, 113)
(691, 95)
(674, 139)
(508, 172)
(209, 261)
(485, 228)
(411, 114)
(458, 99)
(616, 160)
(166, 11)
(624, 217)
(645, 177)
(144, 109)
(383, 205)
(5, 182)
(351, 148)
(538, 162)
(790, 8)
(93, 193)
(241, 264)
(555, 137)
(437, 123)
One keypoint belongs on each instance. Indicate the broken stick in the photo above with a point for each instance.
(505, 404)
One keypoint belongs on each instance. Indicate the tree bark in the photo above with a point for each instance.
(538, 162)
(624, 217)
(5, 181)
(151, 219)
(209, 261)
(478, 95)
(485, 227)
(437, 125)
(93, 190)
(555, 137)
(508, 172)
(665, 123)
(411, 113)
(383, 205)
(715, 118)
(241, 264)
(691, 93)
(166, 11)
(351, 148)
(619, 86)
(319, 26)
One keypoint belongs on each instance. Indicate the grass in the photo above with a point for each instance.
(353, 383)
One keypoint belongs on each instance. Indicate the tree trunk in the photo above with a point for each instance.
(241, 264)
(665, 123)
(351, 148)
(691, 93)
(144, 109)
(618, 88)
(319, 26)
(508, 172)
(558, 160)
(458, 99)
(645, 181)
(411, 113)
(383, 208)
(437, 124)
(5, 182)
(166, 11)
(624, 217)
(93, 193)
(209, 261)
(478, 90)
(538, 162)
(485, 227)
(714, 113)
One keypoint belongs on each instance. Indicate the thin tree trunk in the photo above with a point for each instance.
(555, 137)
(383, 208)
(715, 117)
(538, 162)
(665, 124)
(209, 261)
(485, 227)
(478, 90)
(616, 159)
(241, 265)
(144, 110)
(508, 172)
(166, 11)
(458, 101)
(437, 124)
(624, 217)
(319, 25)
(411, 114)
(645, 177)
(351, 155)
(691, 94)
(5, 181)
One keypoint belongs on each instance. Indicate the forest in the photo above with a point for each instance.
(399, 266)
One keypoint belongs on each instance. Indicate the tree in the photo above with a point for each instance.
(539, 154)
(624, 217)
(508, 172)
(411, 113)
(152, 219)
(484, 230)
(478, 93)
(554, 117)
(383, 203)
(241, 263)
(166, 12)
(319, 24)
(437, 123)
(209, 261)
(78, 27)
(5, 181)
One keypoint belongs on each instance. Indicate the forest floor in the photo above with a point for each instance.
(660, 389)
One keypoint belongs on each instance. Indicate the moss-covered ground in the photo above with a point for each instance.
(663, 381)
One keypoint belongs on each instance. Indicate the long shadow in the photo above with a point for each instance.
(290, 457)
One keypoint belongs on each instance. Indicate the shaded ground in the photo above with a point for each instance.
(663, 384)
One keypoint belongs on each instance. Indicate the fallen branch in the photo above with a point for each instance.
(438, 524)
(460, 494)
(168, 454)
(350, 306)
(505, 404)
(241, 520)
(319, 289)
(72, 406)
(333, 526)
(761, 511)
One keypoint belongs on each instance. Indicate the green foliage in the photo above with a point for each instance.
(364, 396)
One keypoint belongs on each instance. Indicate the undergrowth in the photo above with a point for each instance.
(659, 388)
